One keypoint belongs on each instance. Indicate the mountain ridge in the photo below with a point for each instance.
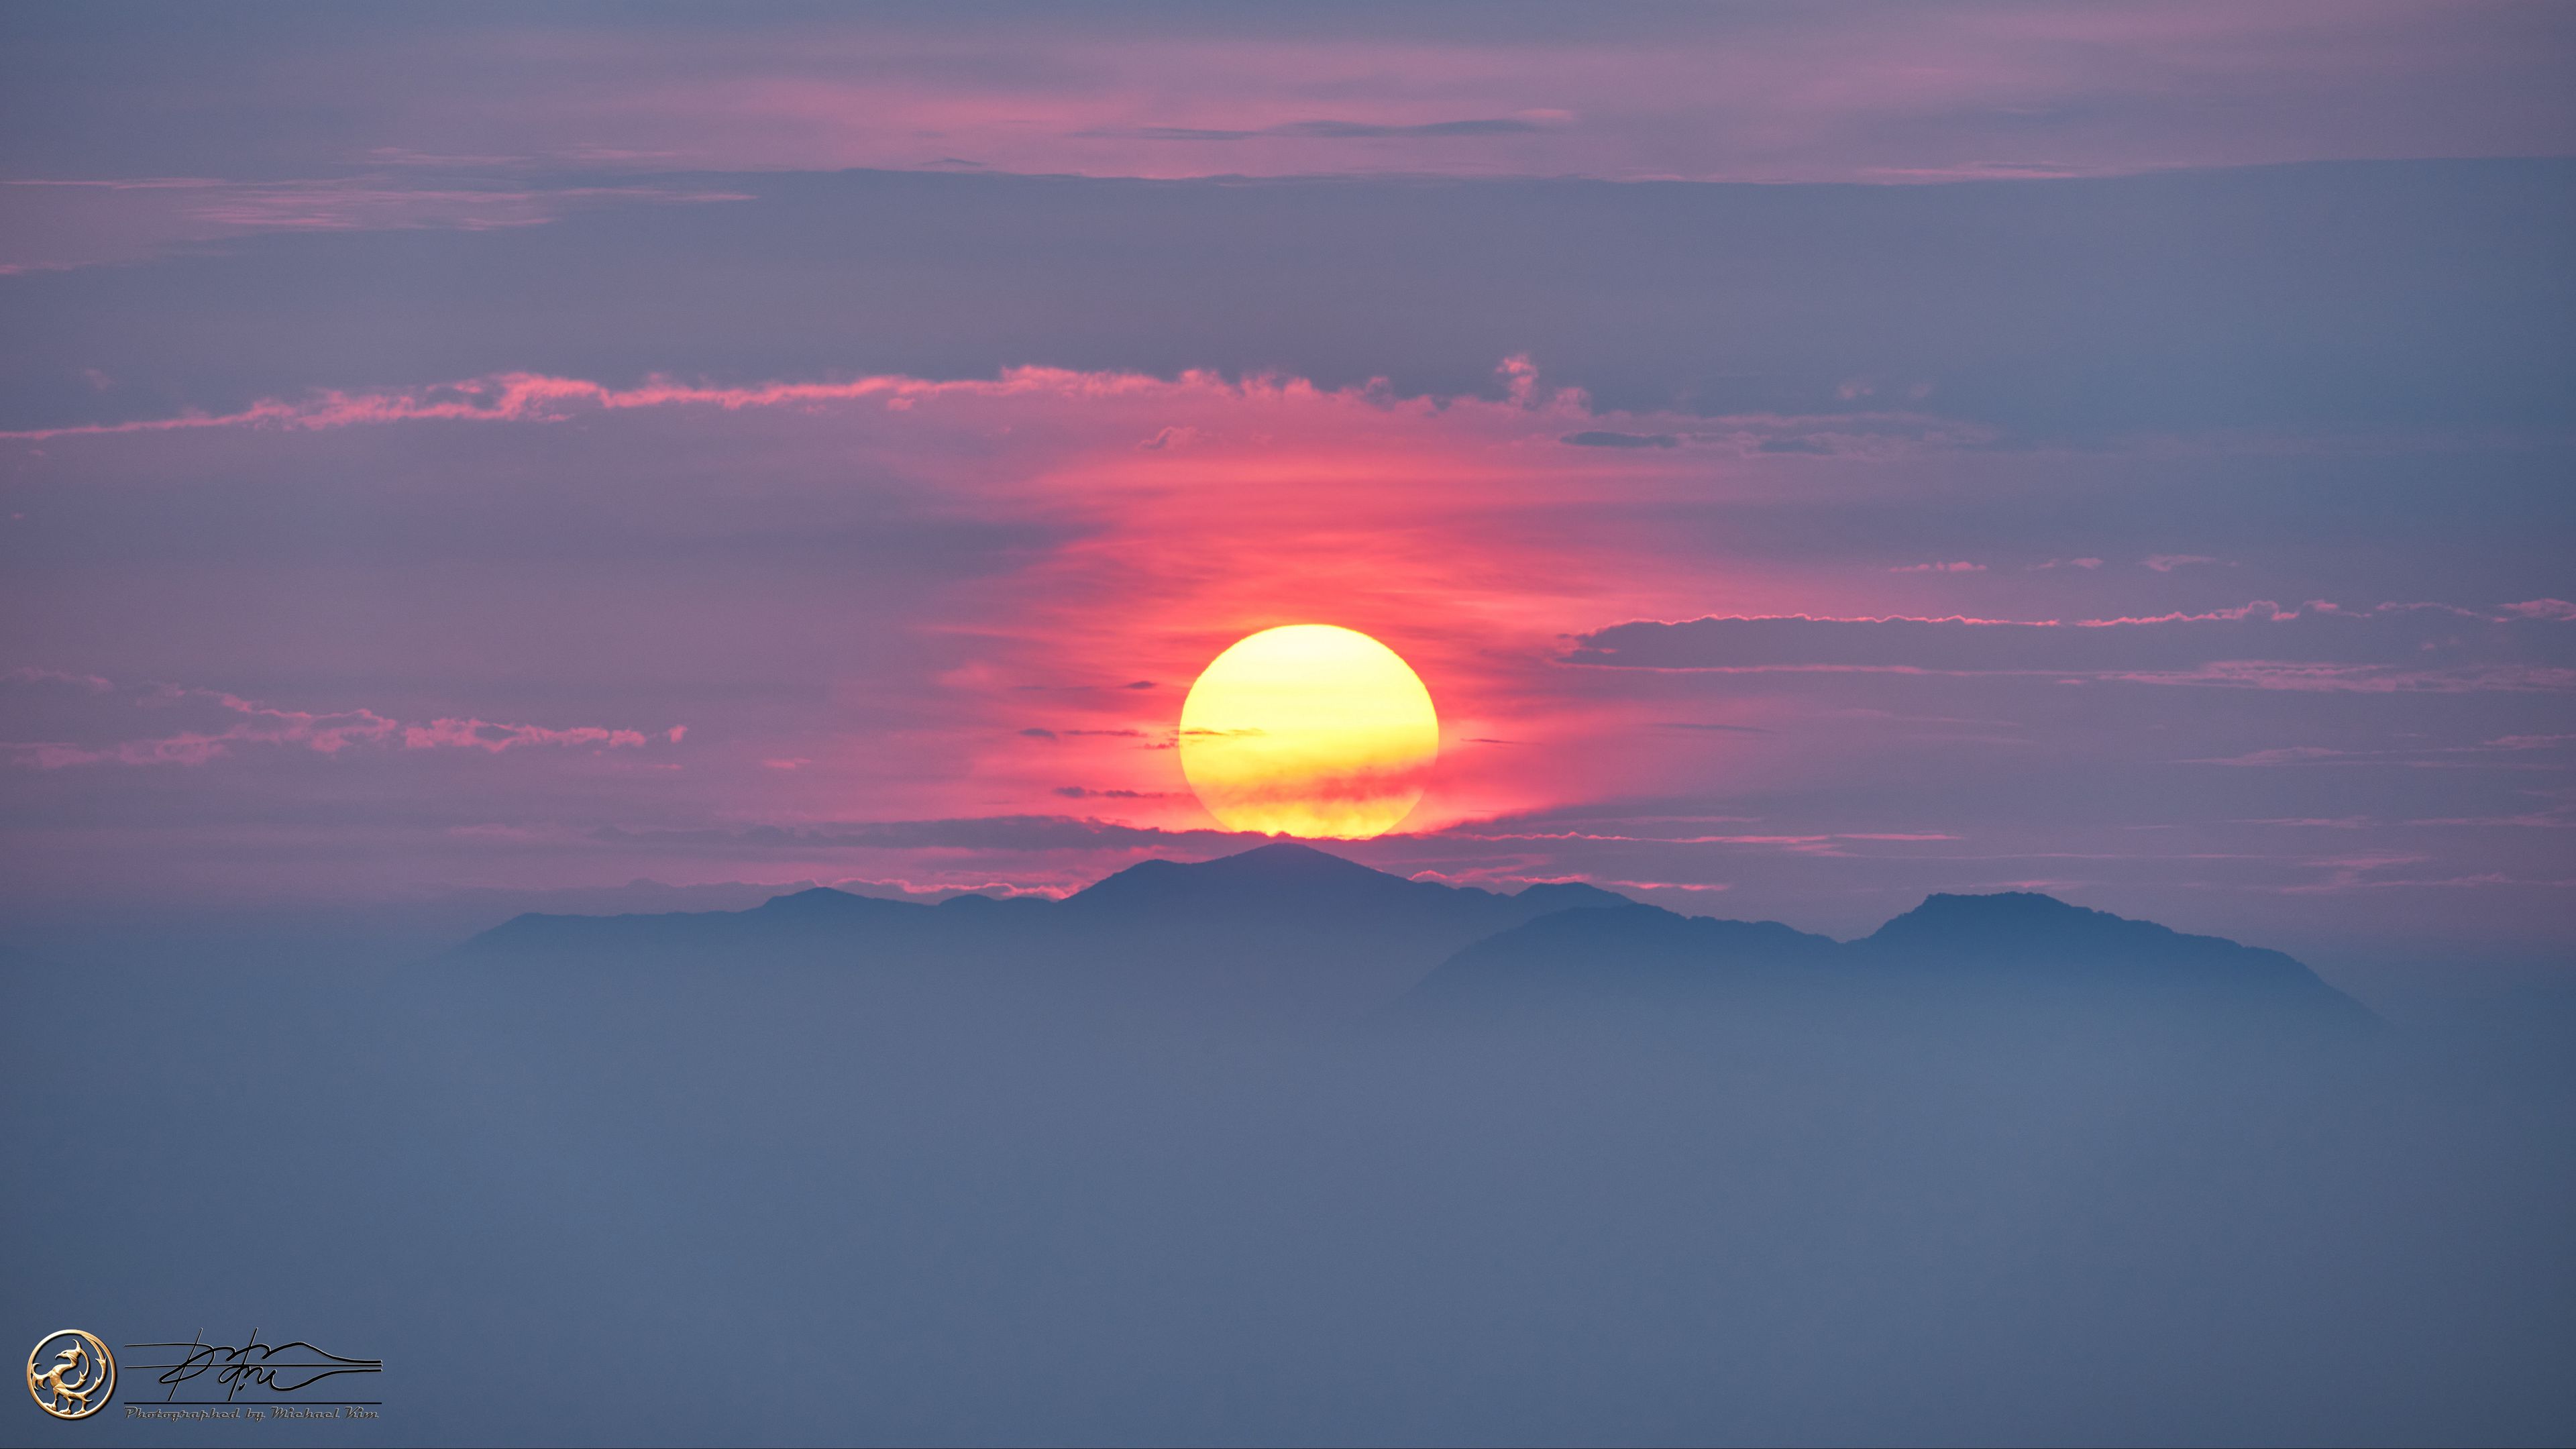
(1283, 927)
(1288, 928)
(2006, 950)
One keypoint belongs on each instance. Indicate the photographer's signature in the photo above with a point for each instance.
(276, 1368)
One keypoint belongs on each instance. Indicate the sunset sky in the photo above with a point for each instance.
(1814, 455)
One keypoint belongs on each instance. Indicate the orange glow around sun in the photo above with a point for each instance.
(1309, 730)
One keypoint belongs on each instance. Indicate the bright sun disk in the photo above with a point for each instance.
(1309, 729)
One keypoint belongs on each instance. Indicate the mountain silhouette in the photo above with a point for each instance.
(1287, 931)
(2015, 951)
(1283, 928)
(2018, 934)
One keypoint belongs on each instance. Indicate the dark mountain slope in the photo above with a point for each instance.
(1995, 954)
(2022, 940)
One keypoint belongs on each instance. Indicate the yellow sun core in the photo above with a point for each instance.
(1309, 730)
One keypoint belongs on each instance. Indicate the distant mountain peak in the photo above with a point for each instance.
(1992, 950)
(2022, 932)
(812, 894)
(1570, 895)
(818, 898)
(2000, 914)
(1290, 855)
(1281, 864)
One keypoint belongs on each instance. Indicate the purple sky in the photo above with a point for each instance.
(1815, 455)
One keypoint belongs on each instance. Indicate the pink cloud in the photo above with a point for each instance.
(475, 734)
(2316, 647)
(2543, 609)
(57, 224)
(1816, 93)
(238, 721)
(90, 682)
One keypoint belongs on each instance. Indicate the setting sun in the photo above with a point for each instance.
(1309, 730)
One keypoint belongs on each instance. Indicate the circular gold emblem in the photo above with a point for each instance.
(71, 1374)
